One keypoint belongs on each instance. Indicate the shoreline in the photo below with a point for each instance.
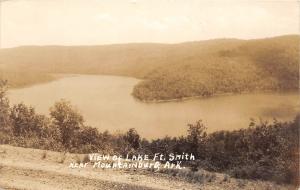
(55, 77)
(215, 96)
(58, 76)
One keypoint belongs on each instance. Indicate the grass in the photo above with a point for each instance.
(187, 174)
(44, 155)
(62, 158)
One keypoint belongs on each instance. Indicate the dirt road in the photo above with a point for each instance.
(32, 169)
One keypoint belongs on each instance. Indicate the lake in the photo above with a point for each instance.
(107, 104)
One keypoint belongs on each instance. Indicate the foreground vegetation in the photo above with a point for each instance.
(262, 151)
(173, 71)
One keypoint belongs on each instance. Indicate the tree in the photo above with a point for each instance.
(132, 138)
(196, 136)
(68, 120)
(4, 108)
(25, 121)
(87, 139)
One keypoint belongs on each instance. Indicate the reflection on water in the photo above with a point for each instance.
(106, 103)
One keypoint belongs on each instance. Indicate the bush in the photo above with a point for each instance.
(262, 151)
(4, 109)
(68, 121)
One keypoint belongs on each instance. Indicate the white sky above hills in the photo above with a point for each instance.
(95, 22)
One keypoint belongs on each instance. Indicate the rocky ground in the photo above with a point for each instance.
(32, 169)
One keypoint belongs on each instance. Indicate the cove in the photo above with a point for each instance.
(107, 104)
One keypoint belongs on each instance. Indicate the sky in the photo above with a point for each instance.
(96, 22)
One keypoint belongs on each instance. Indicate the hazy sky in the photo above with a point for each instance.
(89, 22)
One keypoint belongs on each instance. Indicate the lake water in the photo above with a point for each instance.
(106, 103)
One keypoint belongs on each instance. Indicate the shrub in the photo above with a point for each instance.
(4, 111)
(68, 120)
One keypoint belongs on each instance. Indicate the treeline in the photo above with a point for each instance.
(19, 79)
(230, 67)
(262, 151)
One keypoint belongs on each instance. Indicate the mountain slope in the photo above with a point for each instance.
(173, 71)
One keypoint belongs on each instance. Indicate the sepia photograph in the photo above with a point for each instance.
(149, 94)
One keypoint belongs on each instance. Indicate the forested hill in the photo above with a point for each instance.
(172, 71)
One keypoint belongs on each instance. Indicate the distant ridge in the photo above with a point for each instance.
(171, 71)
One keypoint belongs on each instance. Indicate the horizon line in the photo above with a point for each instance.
(154, 43)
